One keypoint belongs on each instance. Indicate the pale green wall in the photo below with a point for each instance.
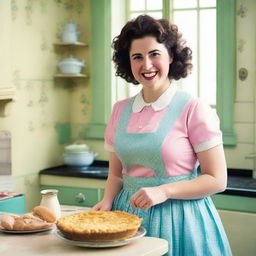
(245, 93)
(41, 102)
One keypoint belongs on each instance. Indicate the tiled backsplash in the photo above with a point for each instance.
(5, 153)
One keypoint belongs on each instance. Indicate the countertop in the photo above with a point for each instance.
(240, 182)
(46, 243)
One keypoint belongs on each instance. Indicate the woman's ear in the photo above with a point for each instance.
(170, 60)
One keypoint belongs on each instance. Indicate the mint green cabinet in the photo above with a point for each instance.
(79, 196)
(234, 203)
(14, 205)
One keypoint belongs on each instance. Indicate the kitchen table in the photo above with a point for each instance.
(46, 243)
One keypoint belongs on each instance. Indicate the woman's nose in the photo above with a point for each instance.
(147, 63)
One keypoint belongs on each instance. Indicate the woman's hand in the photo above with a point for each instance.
(147, 197)
(102, 206)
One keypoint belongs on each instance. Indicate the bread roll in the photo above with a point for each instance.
(7, 222)
(19, 224)
(44, 213)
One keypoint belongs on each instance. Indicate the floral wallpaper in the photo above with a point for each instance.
(43, 28)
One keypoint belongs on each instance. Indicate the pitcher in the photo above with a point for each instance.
(50, 200)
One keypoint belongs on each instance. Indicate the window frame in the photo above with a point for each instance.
(101, 60)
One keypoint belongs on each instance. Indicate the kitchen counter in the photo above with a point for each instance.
(46, 243)
(240, 182)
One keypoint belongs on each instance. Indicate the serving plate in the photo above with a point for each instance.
(25, 231)
(140, 233)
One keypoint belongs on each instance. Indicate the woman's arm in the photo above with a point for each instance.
(114, 183)
(213, 180)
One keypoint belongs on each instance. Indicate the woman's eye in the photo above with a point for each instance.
(155, 54)
(137, 57)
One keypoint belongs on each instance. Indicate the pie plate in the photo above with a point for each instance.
(140, 233)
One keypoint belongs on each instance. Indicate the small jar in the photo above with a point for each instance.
(50, 200)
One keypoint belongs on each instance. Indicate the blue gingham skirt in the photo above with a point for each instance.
(191, 227)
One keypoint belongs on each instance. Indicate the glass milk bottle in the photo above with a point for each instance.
(50, 200)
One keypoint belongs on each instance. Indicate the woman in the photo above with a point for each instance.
(156, 141)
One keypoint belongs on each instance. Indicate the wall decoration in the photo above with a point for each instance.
(76, 5)
(43, 6)
(16, 79)
(31, 127)
(43, 99)
(242, 11)
(14, 9)
(243, 73)
(44, 46)
(86, 103)
(29, 88)
(28, 10)
(241, 44)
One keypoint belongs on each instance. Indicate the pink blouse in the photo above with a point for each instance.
(196, 129)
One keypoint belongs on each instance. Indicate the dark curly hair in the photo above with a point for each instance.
(164, 32)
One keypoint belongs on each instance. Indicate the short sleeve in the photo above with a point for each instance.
(112, 124)
(203, 126)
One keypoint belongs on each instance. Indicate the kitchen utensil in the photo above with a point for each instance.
(25, 231)
(140, 233)
(71, 65)
(50, 200)
(79, 158)
(70, 33)
(73, 148)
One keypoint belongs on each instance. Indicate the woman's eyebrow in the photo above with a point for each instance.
(136, 54)
(152, 51)
(156, 50)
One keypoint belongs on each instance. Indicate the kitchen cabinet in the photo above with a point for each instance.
(14, 205)
(70, 49)
(238, 215)
(75, 191)
(234, 203)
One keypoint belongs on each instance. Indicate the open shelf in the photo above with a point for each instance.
(70, 44)
(7, 93)
(7, 96)
(71, 76)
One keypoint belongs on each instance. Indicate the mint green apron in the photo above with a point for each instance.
(192, 227)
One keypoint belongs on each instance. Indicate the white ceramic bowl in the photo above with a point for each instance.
(71, 66)
(79, 158)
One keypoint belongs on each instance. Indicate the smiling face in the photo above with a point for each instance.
(150, 63)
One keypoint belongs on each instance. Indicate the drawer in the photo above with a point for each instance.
(76, 196)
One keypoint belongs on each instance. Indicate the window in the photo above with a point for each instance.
(221, 74)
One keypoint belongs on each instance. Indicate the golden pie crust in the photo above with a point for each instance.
(95, 226)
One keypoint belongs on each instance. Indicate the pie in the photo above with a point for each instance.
(95, 226)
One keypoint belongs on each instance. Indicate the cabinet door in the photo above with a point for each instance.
(5, 49)
(76, 196)
(234, 203)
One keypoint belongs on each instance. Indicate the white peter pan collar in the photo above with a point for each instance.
(162, 102)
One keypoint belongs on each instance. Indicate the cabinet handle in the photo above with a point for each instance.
(80, 198)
